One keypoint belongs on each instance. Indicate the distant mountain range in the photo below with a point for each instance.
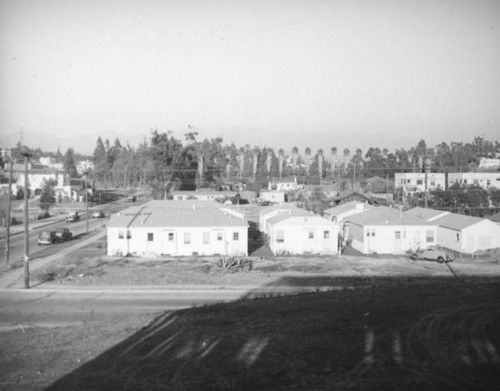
(85, 143)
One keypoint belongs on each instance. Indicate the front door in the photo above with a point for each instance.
(168, 241)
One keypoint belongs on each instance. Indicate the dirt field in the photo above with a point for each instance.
(437, 333)
(396, 324)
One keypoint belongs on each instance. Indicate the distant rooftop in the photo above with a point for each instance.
(336, 210)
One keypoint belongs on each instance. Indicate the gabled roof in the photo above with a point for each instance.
(175, 214)
(383, 215)
(426, 213)
(271, 208)
(457, 222)
(351, 205)
(300, 213)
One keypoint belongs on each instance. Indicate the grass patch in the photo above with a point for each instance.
(66, 267)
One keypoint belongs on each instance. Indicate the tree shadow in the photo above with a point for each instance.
(366, 333)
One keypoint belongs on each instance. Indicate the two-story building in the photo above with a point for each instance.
(414, 182)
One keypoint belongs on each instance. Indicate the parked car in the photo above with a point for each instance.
(431, 254)
(63, 234)
(98, 214)
(47, 237)
(131, 198)
(72, 217)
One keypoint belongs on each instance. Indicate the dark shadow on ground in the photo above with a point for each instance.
(369, 334)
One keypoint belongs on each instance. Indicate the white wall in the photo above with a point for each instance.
(139, 245)
(481, 236)
(273, 196)
(296, 236)
(384, 240)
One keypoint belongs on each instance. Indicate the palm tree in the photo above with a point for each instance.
(333, 159)
(255, 157)
(241, 162)
(269, 157)
(295, 158)
(281, 157)
(308, 160)
(320, 165)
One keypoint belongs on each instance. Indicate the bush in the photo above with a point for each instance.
(234, 264)
(43, 215)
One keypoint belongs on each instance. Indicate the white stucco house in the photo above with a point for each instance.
(274, 210)
(284, 185)
(341, 212)
(301, 232)
(384, 230)
(482, 179)
(464, 234)
(274, 196)
(177, 228)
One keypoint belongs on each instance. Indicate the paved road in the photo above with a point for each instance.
(22, 308)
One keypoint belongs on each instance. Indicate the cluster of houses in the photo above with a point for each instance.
(414, 182)
(186, 227)
(39, 174)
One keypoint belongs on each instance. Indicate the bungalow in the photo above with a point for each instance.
(300, 232)
(177, 228)
(465, 234)
(339, 213)
(284, 185)
(384, 230)
(274, 210)
(274, 196)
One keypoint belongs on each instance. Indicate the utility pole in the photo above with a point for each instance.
(9, 206)
(86, 202)
(26, 155)
(354, 174)
(427, 165)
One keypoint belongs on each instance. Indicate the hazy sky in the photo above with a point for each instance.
(402, 69)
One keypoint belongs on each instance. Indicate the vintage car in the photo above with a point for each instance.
(72, 217)
(98, 214)
(63, 234)
(47, 237)
(431, 254)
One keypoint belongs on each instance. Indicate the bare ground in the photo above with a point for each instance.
(395, 324)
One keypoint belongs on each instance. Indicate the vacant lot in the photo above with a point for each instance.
(439, 333)
(85, 268)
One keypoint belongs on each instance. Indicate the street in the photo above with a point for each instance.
(50, 308)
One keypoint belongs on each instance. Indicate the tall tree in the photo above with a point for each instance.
(69, 163)
(281, 157)
(308, 160)
(295, 159)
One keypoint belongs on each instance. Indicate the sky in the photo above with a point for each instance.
(337, 72)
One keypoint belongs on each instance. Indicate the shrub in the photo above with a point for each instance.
(234, 264)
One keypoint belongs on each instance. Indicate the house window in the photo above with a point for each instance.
(465, 181)
(458, 237)
(170, 236)
(373, 232)
(150, 237)
(280, 236)
(219, 236)
(311, 235)
(429, 236)
(236, 236)
(120, 235)
(488, 182)
(129, 235)
(206, 237)
(187, 237)
(419, 182)
(326, 234)
(397, 234)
